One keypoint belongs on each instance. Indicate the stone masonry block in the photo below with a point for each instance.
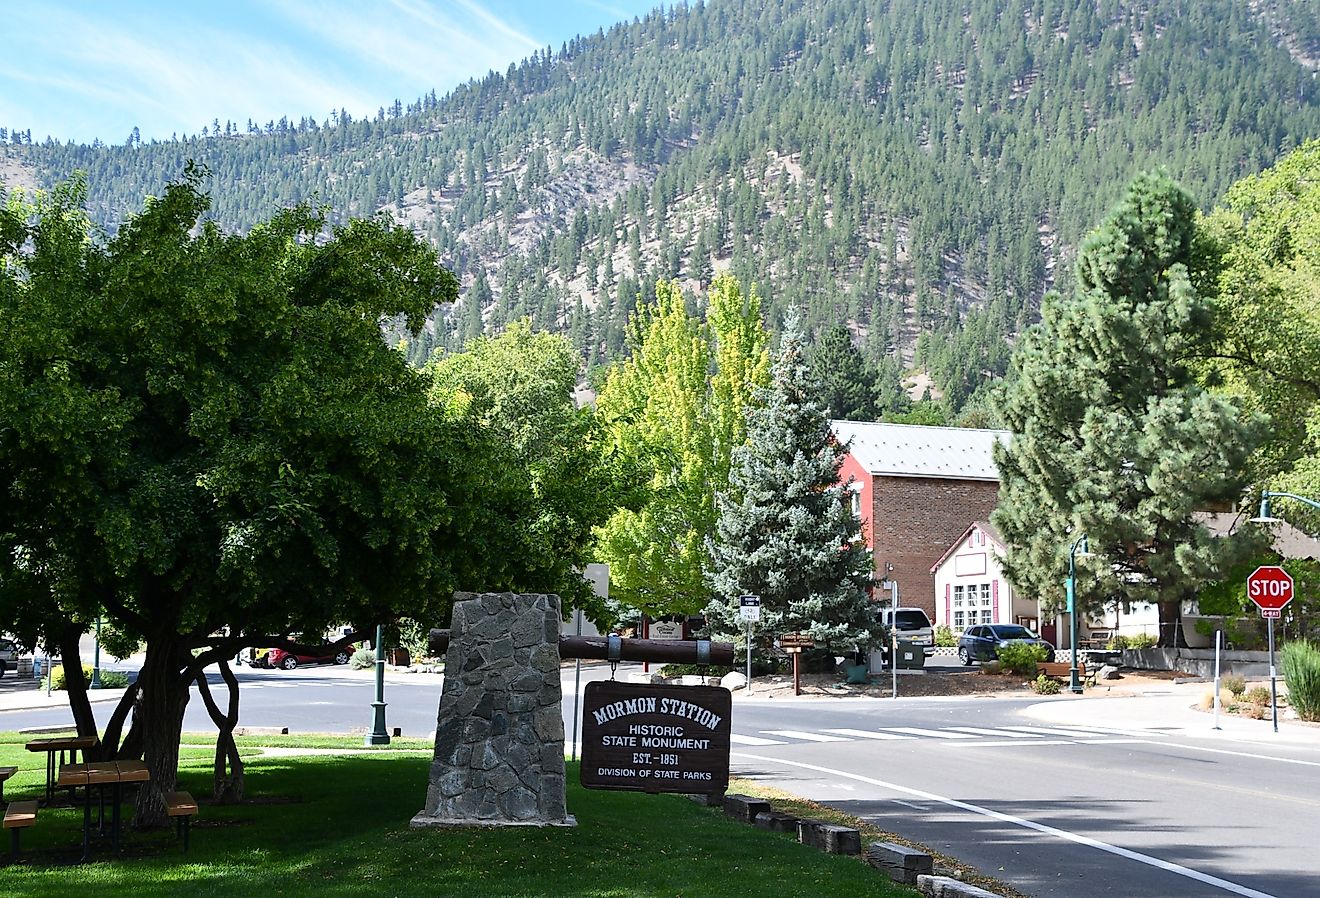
(946, 887)
(829, 838)
(776, 822)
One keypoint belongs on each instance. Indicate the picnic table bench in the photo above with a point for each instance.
(5, 773)
(61, 744)
(19, 815)
(100, 775)
(1062, 670)
(182, 807)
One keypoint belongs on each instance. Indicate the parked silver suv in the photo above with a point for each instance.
(8, 655)
(913, 626)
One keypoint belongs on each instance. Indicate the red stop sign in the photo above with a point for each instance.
(1270, 587)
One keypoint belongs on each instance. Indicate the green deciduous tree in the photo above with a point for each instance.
(786, 528)
(548, 474)
(1267, 347)
(676, 410)
(205, 437)
(1112, 435)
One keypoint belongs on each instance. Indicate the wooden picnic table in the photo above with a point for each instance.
(5, 773)
(61, 744)
(98, 775)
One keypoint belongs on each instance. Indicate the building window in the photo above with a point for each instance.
(958, 620)
(957, 597)
(985, 595)
(987, 616)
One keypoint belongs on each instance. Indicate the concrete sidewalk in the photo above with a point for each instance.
(1172, 711)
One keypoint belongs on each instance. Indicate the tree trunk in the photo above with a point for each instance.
(110, 740)
(74, 683)
(1171, 634)
(228, 787)
(159, 718)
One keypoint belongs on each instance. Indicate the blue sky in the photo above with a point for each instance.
(84, 69)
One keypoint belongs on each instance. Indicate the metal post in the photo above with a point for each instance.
(1274, 685)
(1074, 682)
(96, 656)
(749, 656)
(379, 735)
(1219, 641)
(577, 683)
(893, 637)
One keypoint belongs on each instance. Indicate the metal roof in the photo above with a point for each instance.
(916, 450)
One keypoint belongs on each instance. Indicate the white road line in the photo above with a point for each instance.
(754, 740)
(908, 804)
(933, 734)
(1079, 839)
(991, 743)
(867, 734)
(1002, 734)
(1054, 731)
(806, 737)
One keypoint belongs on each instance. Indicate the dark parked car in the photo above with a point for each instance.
(8, 654)
(327, 654)
(984, 642)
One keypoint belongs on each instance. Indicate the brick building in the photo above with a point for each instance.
(917, 488)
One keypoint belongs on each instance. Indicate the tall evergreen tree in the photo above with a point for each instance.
(1112, 435)
(845, 382)
(786, 528)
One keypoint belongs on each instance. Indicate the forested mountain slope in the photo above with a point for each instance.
(911, 166)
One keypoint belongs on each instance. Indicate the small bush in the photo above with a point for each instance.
(944, 636)
(363, 659)
(1225, 700)
(1142, 641)
(1045, 685)
(1235, 683)
(992, 668)
(1022, 657)
(1301, 673)
(110, 679)
(1255, 712)
(1258, 695)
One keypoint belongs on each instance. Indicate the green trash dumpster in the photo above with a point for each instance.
(911, 656)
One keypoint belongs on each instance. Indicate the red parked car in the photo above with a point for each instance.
(329, 655)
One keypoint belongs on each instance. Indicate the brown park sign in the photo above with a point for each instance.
(796, 641)
(648, 738)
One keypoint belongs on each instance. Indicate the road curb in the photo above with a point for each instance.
(947, 887)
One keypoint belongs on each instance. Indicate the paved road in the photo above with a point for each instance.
(1072, 808)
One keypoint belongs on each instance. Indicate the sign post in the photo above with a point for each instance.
(750, 609)
(1270, 587)
(794, 643)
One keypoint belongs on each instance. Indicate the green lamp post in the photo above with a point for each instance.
(1265, 517)
(1082, 548)
(378, 734)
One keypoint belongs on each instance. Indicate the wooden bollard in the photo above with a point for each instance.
(664, 651)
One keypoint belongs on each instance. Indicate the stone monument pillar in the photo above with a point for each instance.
(499, 740)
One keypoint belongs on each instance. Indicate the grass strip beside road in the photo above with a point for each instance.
(328, 825)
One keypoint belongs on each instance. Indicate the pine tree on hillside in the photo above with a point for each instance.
(786, 529)
(1112, 436)
(845, 382)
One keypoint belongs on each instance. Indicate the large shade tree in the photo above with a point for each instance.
(786, 529)
(204, 438)
(1267, 340)
(1112, 435)
(675, 410)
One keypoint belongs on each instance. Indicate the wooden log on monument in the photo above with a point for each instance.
(663, 651)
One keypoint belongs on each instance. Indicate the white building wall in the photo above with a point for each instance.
(970, 587)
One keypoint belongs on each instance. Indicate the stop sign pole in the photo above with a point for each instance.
(1270, 587)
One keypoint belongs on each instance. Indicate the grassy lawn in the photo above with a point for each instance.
(338, 825)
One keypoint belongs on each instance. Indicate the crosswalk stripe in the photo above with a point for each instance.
(934, 734)
(991, 743)
(753, 740)
(1002, 734)
(868, 734)
(808, 737)
(1053, 731)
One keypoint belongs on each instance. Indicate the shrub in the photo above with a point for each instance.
(944, 636)
(1301, 673)
(110, 679)
(1142, 641)
(363, 659)
(1045, 685)
(1235, 683)
(1022, 657)
(1255, 712)
(1225, 700)
(992, 667)
(1258, 695)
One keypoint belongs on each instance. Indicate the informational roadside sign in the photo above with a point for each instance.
(665, 629)
(796, 641)
(749, 607)
(1270, 587)
(649, 738)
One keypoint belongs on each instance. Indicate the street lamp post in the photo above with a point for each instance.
(378, 734)
(1074, 682)
(1265, 517)
(96, 656)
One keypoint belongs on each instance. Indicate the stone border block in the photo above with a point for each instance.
(947, 887)
(776, 822)
(745, 807)
(829, 838)
(903, 864)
